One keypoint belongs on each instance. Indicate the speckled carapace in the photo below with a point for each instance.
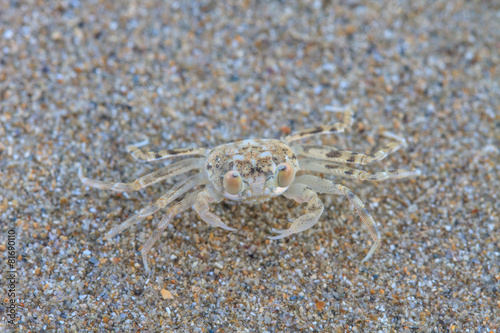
(256, 161)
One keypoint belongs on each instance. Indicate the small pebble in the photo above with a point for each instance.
(166, 294)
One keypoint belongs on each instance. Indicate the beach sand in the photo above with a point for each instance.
(79, 80)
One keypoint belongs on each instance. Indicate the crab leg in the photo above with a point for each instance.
(174, 193)
(162, 154)
(342, 171)
(302, 193)
(150, 179)
(327, 186)
(180, 207)
(344, 156)
(337, 127)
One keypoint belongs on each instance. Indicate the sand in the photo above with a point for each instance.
(79, 80)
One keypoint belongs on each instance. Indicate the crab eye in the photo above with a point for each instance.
(285, 174)
(232, 182)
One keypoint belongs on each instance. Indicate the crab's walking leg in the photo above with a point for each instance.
(302, 193)
(181, 206)
(337, 127)
(174, 193)
(327, 186)
(150, 179)
(342, 171)
(162, 154)
(344, 156)
(202, 207)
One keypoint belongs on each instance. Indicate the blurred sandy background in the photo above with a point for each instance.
(79, 80)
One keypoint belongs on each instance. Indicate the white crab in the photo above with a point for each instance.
(254, 171)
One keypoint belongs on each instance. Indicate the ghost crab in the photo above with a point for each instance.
(254, 171)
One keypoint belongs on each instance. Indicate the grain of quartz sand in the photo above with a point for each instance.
(81, 79)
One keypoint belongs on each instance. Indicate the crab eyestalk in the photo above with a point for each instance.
(285, 175)
(232, 182)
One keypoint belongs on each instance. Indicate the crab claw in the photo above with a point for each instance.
(282, 234)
